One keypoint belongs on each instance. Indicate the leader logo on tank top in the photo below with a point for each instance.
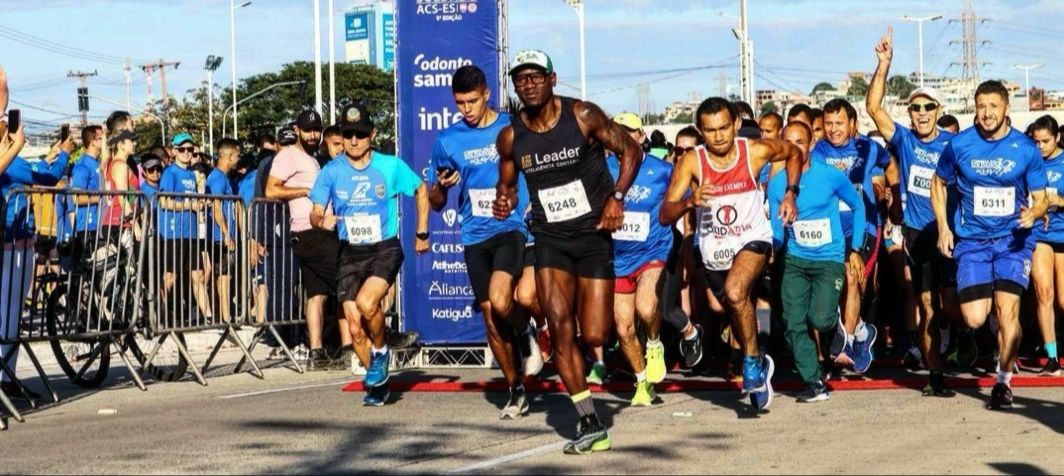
(532, 163)
(996, 166)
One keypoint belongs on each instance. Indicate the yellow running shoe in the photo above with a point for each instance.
(644, 394)
(655, 356)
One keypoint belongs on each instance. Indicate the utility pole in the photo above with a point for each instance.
(317, 56)
(746, 56)
(129, 84)
(160, 66)
(920, 38)
(722, 84)
(578, 7)
(332, 66)
(969, 46)
(83, 93)
(646, 103)
(1027, 81)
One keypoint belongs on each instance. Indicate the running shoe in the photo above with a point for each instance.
(1051, 369)
(401, 340)
(863, 351)
(758, 371)
(814, 392)
(376, 396)
(346, 360)
(591, 437)
(838, 341)
(377, 373)
(531, 358)
(543, 340)
(275, 353)
(516, 406)
(913, 359)
(936, 385)
(655, 357)
(597, 375)
(691, 349)
(1000, 397)
(846, 357)
(644, 394)
(301, 352)
(319, 360)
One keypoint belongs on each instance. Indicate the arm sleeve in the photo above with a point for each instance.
(849, 195)
(947, 164)
(322, 189)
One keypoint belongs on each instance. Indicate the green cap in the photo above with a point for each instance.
(534, 58)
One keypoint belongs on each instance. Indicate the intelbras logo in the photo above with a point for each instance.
(447, 10)
(436, 72)
(453, 315)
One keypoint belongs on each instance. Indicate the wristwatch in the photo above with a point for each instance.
(619, 195)
(422, 236)
(792, 188)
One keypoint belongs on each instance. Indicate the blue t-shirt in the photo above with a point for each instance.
(85, 176)
(856, 158)
(642, 238)
(366, 200)
(218, 184)
(993, 179)
(177, 224)
(471, 151)
(246, 187)
(148, 190)
(817, 234)
(20, 173)
(1054, 184)
(917, 161)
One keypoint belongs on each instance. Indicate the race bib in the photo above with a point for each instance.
(812, 233)
(1051, 194)
(843, 207)
(920, 180)
(636, 227)
(363, 229)
(202, 230)
(565, 202)
(995, 201)
(480, 200)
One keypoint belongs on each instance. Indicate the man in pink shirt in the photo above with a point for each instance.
(292, 175)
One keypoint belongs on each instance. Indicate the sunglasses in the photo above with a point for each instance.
(356, 134)
(535, 78)
(928, 107)
(682, 150)
(187, 150)
(154, 170)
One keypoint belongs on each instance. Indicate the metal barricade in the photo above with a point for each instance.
(195, 272)
(275, 283)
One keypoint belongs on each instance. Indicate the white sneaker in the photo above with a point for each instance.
(531, 358)
(301, 353)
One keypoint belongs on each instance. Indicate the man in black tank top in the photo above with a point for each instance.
(558, 144)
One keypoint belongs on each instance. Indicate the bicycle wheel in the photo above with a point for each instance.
(168, 365)
(85, 360)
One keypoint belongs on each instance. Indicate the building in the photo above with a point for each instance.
(680, 108)
(370, 35)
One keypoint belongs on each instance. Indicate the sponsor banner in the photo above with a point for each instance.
(433, 39)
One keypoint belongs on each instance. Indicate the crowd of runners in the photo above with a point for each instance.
(583, 237)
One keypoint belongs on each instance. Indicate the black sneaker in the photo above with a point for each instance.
(13, 391)
(936, 386)
(837, 344)
(691, 349)
(1000, 397)
(591, 437)
(319, 360)
(814, 392)
(516, 406)
(1051, 369)
(402, 340)
(913, 358)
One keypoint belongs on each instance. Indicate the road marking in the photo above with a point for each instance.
(286, 389)
(509, 458)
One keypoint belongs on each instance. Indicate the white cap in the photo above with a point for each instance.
(930, 93)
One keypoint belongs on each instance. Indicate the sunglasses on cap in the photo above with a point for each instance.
(360, 135)
(928, 107)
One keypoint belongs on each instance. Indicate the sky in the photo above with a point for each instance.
(678, 47)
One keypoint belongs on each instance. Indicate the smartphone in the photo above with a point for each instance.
(444, 172)
(64, 133)
(14, 118)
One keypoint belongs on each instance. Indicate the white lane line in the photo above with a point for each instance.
(286, 389)
(509, 458)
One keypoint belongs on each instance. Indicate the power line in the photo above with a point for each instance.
(57, 48)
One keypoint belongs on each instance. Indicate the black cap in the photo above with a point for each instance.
(309, 120)
(287, 135)
(355, 118)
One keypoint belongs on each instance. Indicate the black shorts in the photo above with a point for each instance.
(44, 245)
(503, 252)
(222, 258)
(1058, 248)
(360, 262)
(317, 252)
(585, 256)
(530, 255)
(930, 270)
(182, 254)
(715, 279)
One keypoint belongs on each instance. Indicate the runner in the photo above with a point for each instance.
(676, 307)
(949, 124)
(363, 190)
(813, 249)
(816, 116)
(857, 156)
(992, 167)
(558, 144)
(918, 150)
(1047, 270)
(641, 249)
(733, 232)
(465, 155)
(771, 125)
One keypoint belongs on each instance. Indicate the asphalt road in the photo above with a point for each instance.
(292, 423)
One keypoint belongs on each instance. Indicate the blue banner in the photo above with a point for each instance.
(433, 39)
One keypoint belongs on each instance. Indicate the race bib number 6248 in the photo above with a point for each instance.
(564, 202)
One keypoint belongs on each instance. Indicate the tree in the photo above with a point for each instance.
(684, 118)
(769, 107)
(858, 87)
(823, 86)
(900, 86)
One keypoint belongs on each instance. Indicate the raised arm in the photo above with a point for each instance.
(878, 88)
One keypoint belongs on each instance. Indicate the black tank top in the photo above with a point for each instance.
(566, 174)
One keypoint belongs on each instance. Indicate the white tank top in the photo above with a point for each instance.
(736, 213)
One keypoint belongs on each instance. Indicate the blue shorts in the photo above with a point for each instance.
(996, 264)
